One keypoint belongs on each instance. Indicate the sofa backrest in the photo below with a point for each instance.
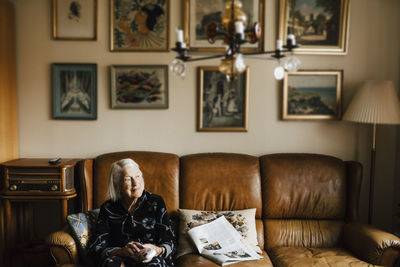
(307, 198)
(221, 182)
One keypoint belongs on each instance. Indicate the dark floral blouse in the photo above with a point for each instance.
(148, 223)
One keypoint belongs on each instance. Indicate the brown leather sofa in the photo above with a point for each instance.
(307, 204)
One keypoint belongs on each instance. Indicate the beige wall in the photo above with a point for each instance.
(373, 53)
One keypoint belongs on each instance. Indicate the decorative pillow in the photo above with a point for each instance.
(81, 225)
(244, 222)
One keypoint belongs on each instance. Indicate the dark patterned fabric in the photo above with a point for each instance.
(148, 223)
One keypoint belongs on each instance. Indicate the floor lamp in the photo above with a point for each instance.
(375, 102)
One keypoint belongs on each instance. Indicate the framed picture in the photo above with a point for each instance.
(198, 13)
(139, 25)
(222, 105)
(139, 86)
(312, 95)
(320, 26)
(75, 19)
(74, 88)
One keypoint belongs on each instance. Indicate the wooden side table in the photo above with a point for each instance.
(32, 180)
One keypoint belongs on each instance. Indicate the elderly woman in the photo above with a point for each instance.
(132, 223)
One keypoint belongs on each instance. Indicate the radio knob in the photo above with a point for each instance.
(54, 187)
(13, 187)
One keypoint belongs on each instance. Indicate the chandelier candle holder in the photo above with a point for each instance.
(234, 36)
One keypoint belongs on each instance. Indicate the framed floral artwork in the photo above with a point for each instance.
(139, 86)
(139, 25)
(198, 13)
(75, 20)
(74, 90)
(320, 26)
(312, 95)
(222, 105)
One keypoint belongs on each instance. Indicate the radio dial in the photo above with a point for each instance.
(54, 187)
(13, 187)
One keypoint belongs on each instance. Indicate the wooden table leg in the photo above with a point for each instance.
(64, 211)
(7, 231)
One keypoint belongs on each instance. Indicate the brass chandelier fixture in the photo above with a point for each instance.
(234, 36)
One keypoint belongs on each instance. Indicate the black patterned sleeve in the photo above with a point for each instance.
(100, 241)
(166, 236)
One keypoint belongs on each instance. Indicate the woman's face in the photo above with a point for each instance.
(132, 183)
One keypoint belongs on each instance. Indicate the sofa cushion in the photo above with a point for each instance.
(303, 186)
(81, 226)
(242, 220)
(196, 260)
(321, 257)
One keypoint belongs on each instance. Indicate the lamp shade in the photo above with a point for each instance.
(374, 102)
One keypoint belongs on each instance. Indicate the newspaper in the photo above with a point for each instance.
(220, 242)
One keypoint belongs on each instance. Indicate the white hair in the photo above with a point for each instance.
(116, 175)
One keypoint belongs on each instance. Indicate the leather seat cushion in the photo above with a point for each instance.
(320, 257)
(194, 260)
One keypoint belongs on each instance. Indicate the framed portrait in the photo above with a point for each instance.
(312, 95)
(139, 25)
(320, 26)
(139, 86)
(75, 20)
(74, 90)
(198, 13)
(222, 105)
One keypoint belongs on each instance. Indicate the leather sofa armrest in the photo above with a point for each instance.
(63, 248)
(371, 244)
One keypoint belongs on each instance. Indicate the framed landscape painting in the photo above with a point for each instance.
(312, 95)
(139, 86)
(74, 90)
(320, 26)
(222, 105)
(198, 13)
(75, 20)
(139, 25)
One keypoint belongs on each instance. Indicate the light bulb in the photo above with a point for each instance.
(292, 63)
(178, 67)
(279, 72)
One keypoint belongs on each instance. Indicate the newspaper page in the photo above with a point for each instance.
(220, 242)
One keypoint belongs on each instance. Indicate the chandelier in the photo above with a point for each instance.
(234, 36)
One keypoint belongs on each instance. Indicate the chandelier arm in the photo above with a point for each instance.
(265, 52)
(190, 59)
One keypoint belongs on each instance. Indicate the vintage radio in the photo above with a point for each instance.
(38, 176)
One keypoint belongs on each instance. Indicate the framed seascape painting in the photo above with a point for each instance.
(222, 105)
(312, 95)
(139, 86)
(320, 26)
(139, 25)
(74, 88)
(198, 13)
(75, 19)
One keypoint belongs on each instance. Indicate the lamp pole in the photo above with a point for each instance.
(372, 176)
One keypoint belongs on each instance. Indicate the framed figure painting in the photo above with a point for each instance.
(312, 95)
(74, 88)
(198, 13)
(320, 26)
(139, 86)
(75, 20)
(139, 25)
(222, 105)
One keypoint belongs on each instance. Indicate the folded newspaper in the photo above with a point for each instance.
(220, 242)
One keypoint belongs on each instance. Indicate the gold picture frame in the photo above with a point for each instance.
(222, 105)
(312, 95)
(140, 25)
(321, 27)
(75, 20)
(198, 12)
